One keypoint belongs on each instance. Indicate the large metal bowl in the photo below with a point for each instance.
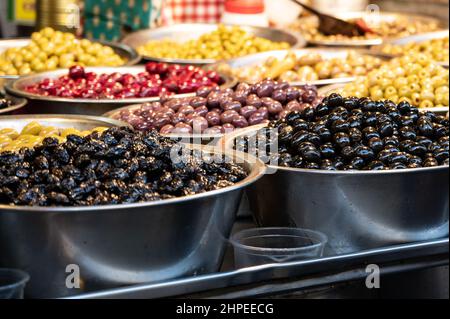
(418, 38)
(185, 32)
(326, 53)
(57, 105)
(129, 54)
(371, 16)
(337, 88)
(357, 210)
(120, 245)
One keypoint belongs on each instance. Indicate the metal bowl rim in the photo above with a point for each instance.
(298, 44)
(22, 103)
(258, 170)
(12, 89)
(37, 117)
(25, 278)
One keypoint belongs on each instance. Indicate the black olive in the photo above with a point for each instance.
(298, 162)
(370, 133)
(292, 117)
(425, 141)
(376, 166)
(351, 104)
(364, 152)
(356, 135)
(398, 157)
(300, 125)
(404, 107)
(310, 154)
(285, 160)
(325, 134)
(342, 139)
(327, 150)
(340, 126)
(354, 122)
(398, 166)
(308, 113)
(406, 121)
(335, 100)
(369, 106)
(441, 155)
(440, 131)
(417, 149)
(430, 162)
(348, 152)
(415, 160)
(386, 129)
(299, 138)
(376, 144)
(357, 163)
(312, 165)
(392, 140)
(322, 109)
(285, 134)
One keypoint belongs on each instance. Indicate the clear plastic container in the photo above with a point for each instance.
(258, 246)
(245, 12)
(12, 283)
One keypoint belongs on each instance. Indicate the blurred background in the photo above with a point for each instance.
(112, 19)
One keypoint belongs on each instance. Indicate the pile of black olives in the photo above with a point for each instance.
(115, 167)
(358, 134)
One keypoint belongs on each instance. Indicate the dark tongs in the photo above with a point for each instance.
(329, 25)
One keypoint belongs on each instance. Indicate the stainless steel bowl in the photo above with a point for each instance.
(357, 210)
(337, 88)
(57, 105)
(185, 32)
(326, 53)
(374, 17)
(17, 104)
(120, 245)
(126, 52)
(418, 38)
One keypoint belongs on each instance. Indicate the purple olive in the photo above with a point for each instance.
(309, 96)
(201, 111)
(186, 109)
(240, 121)
(275, 107)
(232, 105)
(228, 116)
(224, 101)
(214, 130)
(197, 102)
(213, 100)
(254, 100)
(279, 95)
(182, 128)
(248, 110)
(228, 128)
(178, 118)
(256, 118)
(203, 91)
(293, 106)
(213, 118)
(199, 124)
(292, 93)
(162, 121)
(266, 89)
(174, 104)
(166, 129)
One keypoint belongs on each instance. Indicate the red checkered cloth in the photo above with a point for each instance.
(192, 11)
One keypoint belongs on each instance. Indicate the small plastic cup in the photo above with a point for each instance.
(259, 246)
(12, 283)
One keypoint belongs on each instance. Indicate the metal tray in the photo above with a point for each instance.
(327, 54)
(336, 88)
(264, 280)
(185, 32)
(418, 38)
(18, 103)
(57, 105)
(383, 16)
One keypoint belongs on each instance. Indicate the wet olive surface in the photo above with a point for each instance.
(355, 134)
(115, 167)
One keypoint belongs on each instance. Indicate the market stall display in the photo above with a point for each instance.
(49, 50)
(413, 78)
(95, 90)
(313, 66)
(219, 112)
(201, 44)
(382, 26)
